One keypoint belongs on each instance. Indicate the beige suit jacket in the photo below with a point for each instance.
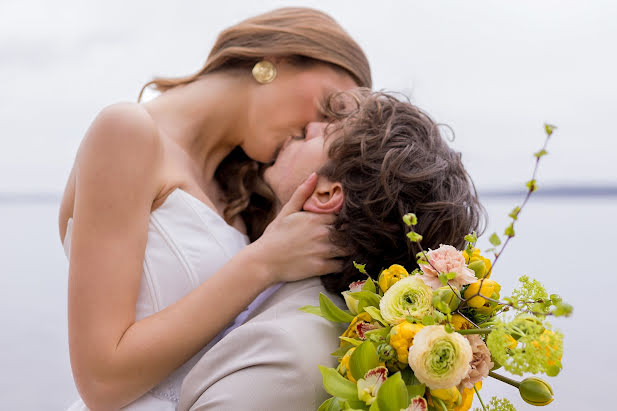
(269, 362)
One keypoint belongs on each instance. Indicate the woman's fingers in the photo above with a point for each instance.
(299, 197)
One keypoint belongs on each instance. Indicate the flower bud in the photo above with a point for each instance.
(478, 267)
(447, 296)
(390, 276)
(386, 352)
(535, 391)
(450, 396)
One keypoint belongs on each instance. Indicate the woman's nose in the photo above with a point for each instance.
(315, 129)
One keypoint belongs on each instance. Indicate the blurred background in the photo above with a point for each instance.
(494, 71)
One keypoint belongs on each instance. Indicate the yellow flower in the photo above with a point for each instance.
(475, 256)
(391, 275)
(344, 369)
(460, 323)
(352, 330)
(467, 397)
(489, 289)
(450, 396)
(401, 338)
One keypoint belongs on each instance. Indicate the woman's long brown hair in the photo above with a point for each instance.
(302, 35)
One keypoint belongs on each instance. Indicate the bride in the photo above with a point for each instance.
(152, 214)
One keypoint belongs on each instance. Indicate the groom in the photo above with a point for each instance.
(380, 159)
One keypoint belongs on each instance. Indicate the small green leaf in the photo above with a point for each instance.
(360, 267)
(338, 386)
(311, 309)
(471, 238)
(451, 276)
(392, 395)
(562, 309)
(549, 128)
(540, 153)
(428, 320)
(443, 278)
(369, 285)
(514, 213)
(414, 237)
(331, 312)
(531, 185)
(449, 328)
(351, 341)
(509, 232)
(331, 404)
(494, 239)
(376, 314)
(341, 351)
(363, 359)
(365, 299)
(410, 219)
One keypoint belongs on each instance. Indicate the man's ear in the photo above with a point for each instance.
(328, 197)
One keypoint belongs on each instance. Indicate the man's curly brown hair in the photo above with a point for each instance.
(391, 160)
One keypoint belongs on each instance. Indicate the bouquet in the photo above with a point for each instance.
(426, 339)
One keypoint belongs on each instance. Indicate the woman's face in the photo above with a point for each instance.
(282, 109)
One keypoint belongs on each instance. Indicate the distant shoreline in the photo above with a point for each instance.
(557, 191)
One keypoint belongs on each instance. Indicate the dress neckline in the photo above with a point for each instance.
(189, 196)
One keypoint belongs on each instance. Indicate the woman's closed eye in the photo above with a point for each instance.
(301, 136)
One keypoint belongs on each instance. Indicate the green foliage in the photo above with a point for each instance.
(392, 395)
(514, 213)
(549, 128)
(537, 349)
(336, 385)
(532, 185)
(414, 237)
(369, 285)
(376, 314)
(360, 267)
(498, 404)
(509, 232)
(331, 312)
(341, 351)
(365, 299)
(494, 239)
(331, 404)
(410, 219)
(363, 359)
(540, 153)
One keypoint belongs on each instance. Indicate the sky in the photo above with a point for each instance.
(494, 71)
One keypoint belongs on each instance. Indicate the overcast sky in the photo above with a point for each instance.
(493, 70)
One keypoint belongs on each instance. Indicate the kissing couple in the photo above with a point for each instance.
(198, 223)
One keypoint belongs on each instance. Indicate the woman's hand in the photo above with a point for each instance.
(296, 244)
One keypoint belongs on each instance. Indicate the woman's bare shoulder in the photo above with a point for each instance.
(121, 150)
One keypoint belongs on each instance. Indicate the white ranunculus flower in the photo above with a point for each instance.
(407, 297)
(439, 359)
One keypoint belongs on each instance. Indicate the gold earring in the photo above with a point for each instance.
(264, 72)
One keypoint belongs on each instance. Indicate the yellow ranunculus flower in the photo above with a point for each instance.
(352, 330)
(460, 323)
(344, 369)
(489, 287)
(450, 396)
(467, 397)
(401, 338)
(475, 256)
(391, 275)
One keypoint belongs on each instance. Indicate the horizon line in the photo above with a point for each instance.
(554, 191)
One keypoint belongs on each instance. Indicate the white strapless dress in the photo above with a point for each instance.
(187, 243)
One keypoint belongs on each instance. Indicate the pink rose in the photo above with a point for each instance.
(446, 259)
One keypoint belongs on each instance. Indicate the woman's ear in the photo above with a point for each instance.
(328, 197)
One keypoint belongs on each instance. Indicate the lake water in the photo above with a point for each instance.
(567, 243)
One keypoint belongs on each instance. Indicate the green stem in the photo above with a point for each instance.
(504, 379)
(480, 398)
(475, 331)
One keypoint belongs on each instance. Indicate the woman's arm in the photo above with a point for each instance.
(115, 359)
